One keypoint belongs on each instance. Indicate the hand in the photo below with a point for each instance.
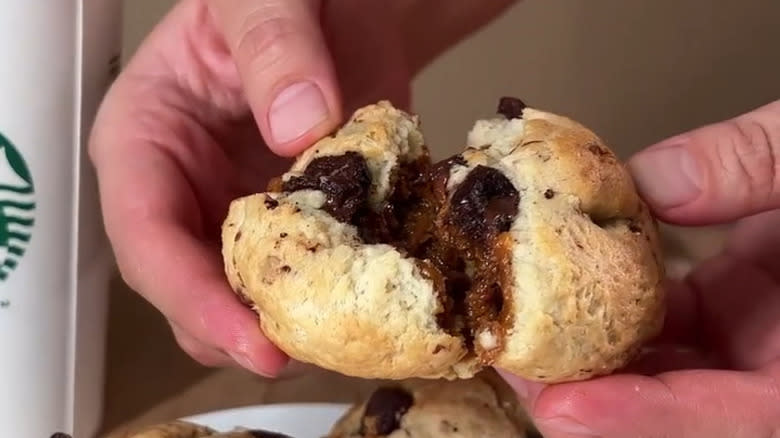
(184, 130)
(716, 369)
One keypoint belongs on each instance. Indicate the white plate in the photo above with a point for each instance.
(299, 420)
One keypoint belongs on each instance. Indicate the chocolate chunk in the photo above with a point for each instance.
(344, 179)
(511, 107)
(384, 410)
(60, 435)
(484, 203)
(257, 433)
(549, 194)
(270, 203)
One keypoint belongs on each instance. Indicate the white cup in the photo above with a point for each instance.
(58, 58)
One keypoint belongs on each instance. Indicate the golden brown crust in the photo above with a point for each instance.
(587, 263)
(584, 253)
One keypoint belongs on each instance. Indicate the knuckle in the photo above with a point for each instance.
(749, 156)
(265, 37)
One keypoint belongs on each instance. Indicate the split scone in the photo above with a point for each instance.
(530, 251)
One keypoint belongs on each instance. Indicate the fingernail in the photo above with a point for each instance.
(296, 110)
(667, 176)
(564, 425)
(247, 364)
(243, 361)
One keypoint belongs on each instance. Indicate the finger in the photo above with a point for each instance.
(652, 360)
(681, 404)
(757, 239)
(153, 220)
(295, 369)
(728, 307)
(661, 358)
(682, 309)
(285, 67)
(202, 353)
(717, 173)
(738, 310)
(190, 289)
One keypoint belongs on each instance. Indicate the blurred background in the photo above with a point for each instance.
(634, 71)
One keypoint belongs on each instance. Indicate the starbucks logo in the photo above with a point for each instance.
(17, 207)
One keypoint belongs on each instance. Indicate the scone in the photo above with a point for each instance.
(530, 251)
(184, 429)
(469, 408)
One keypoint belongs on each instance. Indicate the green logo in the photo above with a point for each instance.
(17, 207)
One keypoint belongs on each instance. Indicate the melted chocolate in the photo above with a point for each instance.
(400, 215)
(270, 203)
(344, 179)
(384, 410)
(484, 204)
(511, 107)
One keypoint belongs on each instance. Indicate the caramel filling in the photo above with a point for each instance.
(459, 241)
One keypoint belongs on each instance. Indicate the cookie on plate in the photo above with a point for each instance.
(468, 408)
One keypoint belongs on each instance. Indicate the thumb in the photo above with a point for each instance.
(680, 404)
(285, 66)
(714, 174)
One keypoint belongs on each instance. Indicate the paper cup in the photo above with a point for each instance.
(58, 58)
